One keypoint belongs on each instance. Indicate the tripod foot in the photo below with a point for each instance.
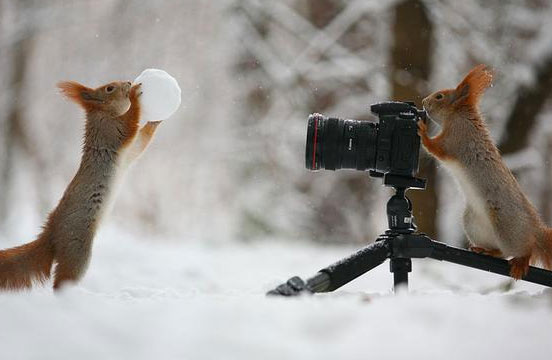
(293, 287)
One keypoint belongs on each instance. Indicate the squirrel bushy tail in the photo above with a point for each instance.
(22, 265)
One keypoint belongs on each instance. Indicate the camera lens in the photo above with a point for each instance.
(334, 143)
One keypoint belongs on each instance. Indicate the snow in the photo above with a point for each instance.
(161, 94)
(154, 299)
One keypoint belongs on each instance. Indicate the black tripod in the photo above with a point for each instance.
(400, 244)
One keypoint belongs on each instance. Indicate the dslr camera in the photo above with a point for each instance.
(388, 148)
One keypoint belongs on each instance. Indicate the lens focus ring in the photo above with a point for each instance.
(312, 149)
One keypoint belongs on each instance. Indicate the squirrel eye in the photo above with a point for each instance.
(439, 96)
(109, 89)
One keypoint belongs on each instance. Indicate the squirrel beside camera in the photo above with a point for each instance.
(499, 220)
(112, 140)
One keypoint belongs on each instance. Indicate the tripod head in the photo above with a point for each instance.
(399, 213)
(400, 181)
(399, 207)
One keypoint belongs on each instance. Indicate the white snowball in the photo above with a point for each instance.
(161, 94)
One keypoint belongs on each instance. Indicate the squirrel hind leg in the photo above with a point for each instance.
(70, 269)
(491, 252)
(519, 266)
(64, 275)
(543, 249)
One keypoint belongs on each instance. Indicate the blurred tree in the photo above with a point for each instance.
(310, 56)
(410, 70)
(522, 120)
(546, 192)
(528, 104)
(14, 133)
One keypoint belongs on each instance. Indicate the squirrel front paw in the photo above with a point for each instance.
(422, 129)
(135, 91)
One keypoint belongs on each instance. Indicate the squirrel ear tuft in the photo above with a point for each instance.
(76, 92)
(472, 87)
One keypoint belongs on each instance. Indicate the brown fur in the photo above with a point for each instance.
(499, 220)
(474, 84)
(434, 145)
(542, 252)
(23, 265)
(112, 121)
(519, 266)
(143, 139)
(490, 252)
(73, 91)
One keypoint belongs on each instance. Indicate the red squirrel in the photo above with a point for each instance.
(112, 140)
(499, 220)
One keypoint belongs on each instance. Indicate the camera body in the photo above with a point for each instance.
(389, 147)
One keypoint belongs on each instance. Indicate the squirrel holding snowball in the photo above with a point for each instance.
(499, 220)
(112, 140)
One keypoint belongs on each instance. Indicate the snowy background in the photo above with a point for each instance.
(220, 208)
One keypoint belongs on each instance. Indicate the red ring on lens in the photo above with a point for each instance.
(315, 140)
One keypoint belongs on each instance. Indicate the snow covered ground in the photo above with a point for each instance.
(147, 299)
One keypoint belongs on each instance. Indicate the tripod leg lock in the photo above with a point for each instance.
(412, 246)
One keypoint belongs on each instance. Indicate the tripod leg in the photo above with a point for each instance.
(339, 273)
(400, 267)
(440, 251)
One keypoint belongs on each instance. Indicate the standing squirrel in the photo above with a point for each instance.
(499, 220)
(112, 140)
